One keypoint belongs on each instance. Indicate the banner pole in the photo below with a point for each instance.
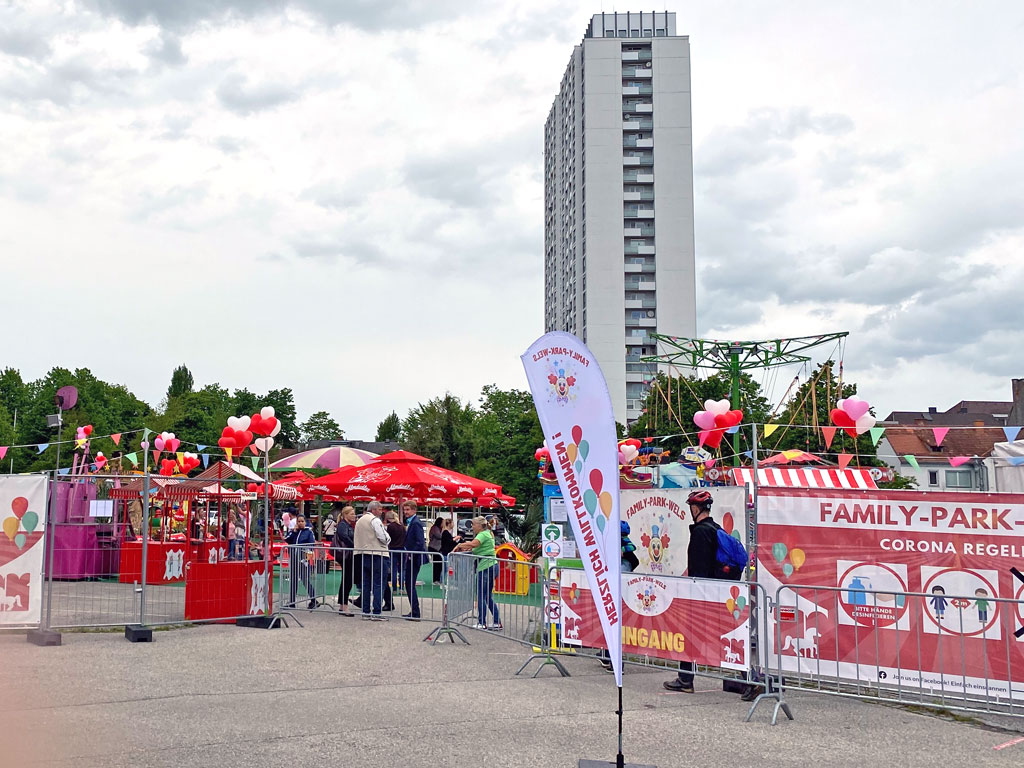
(620, 761)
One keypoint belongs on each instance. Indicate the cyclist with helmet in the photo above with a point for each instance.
(701, 563)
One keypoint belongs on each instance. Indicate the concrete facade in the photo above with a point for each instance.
(618, 197)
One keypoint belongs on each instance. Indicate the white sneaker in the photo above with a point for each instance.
(480, 626)
(495, 627)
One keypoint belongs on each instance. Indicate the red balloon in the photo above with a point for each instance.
(596, 480)
(242, 439)
(735, 592)
(227, 432)
(268, 425)
(844, 421)
(87, 429)
(226, 442)
(648, 439)
(727, 522)
(577, 434)
(634, 442)
(714, 437)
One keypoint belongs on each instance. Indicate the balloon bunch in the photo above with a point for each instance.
(543, 458)
(168, 467)
(265, 423)
(82, 433)
(236, 435)
(735, 603)
(629, 449)
(166, 441)
(797, 557)
(188, 462)
(24, 520)
(852, 416)
(715, 420)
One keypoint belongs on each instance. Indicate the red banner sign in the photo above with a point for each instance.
(665, 617)
(871, 548)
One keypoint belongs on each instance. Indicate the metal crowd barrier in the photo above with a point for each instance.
(313, 578)
(907, 647)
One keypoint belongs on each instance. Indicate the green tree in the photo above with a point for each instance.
(181, 382)
(441, 429)
(390, 428)
(808, 410)
(246, 403)
(506, 433)
(320, 426)
(284, 411)
(197, 416)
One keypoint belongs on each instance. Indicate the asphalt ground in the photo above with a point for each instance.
(343, 691)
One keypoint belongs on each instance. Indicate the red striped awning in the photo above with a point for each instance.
(806, 477)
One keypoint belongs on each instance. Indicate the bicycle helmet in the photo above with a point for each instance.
(700, 498)
(623, 528)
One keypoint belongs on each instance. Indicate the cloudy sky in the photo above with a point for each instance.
(345, 197)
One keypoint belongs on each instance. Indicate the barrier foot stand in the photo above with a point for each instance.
(136, 633)
(546, 659)
(450, 632)
(43, 637)
(780, 703)
(278, 619)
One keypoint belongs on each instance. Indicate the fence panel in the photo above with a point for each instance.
(902, 647)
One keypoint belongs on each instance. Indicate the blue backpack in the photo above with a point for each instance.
(731, 556)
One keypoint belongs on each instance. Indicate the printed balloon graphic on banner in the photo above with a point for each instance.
(22, 517)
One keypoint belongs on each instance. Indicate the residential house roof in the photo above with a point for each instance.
(920, 443)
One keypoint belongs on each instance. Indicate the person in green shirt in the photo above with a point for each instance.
(482, 546)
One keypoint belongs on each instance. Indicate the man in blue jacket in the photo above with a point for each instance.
(301, 543)
(415, 542)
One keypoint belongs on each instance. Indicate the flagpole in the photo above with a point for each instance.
(620, 761)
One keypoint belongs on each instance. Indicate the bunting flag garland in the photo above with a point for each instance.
(180, 457)
(116, 437)
(79, 443)
(228, 452)
(956, 461)
(201, 448)
(912, 461)
(940, 434)
(156, 456)
(63, 471)
(749, 454)
(133, 458)
(830, 434)
(1011, 433)
(206, 460)
(42, 447)
(769, 428)
(254, 449)
(146, 432)
(876, 435)
(3, 452)
(255, 463)
(844, 460)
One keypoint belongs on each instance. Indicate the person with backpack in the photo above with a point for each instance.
(711, 554)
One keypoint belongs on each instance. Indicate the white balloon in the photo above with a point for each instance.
(267, 411)
(264, 443)
(277, 428)
(717, 407)
(864, 423)
(245, 421)
(234, 422)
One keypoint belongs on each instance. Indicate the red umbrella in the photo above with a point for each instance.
(400, 475)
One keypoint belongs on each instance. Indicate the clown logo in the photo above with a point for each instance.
(561, 384)
(647, 598)
(656, 545)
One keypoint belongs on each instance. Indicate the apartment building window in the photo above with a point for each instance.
(661, 33)
(933, 478)
(647, 33)
(958, 479)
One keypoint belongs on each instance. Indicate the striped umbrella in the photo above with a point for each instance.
(335, 457)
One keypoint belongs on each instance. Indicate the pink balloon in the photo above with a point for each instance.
(159, 443)
(704, 419)
(855, 407)
(145, 445)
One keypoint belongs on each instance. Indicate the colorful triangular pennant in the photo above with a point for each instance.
(116, 437)
(156, 455)
(912, 461)
(146, 432)
(1011, 433)
(133, 458)
(844, 460)
(830, 434)
(201, 448)
(940, 434)
(79, 443)
(769, 428)
(3, 451)
(956, 461)
(63, 471)
(206, 460)
(255, 462)
(228, 452)
(876, 435)
(42, 447)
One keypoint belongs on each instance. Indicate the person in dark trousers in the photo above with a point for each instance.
(301, 542)
(397, 533)
(344, 543)
(702, 563)
(372, 545)
(434, 547)
(415, 543)
(630, 562)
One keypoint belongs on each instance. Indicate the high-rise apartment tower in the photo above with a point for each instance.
(618, 198)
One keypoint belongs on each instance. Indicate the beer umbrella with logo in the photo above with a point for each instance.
(400, 475)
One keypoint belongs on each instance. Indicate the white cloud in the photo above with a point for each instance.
(345, 198)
